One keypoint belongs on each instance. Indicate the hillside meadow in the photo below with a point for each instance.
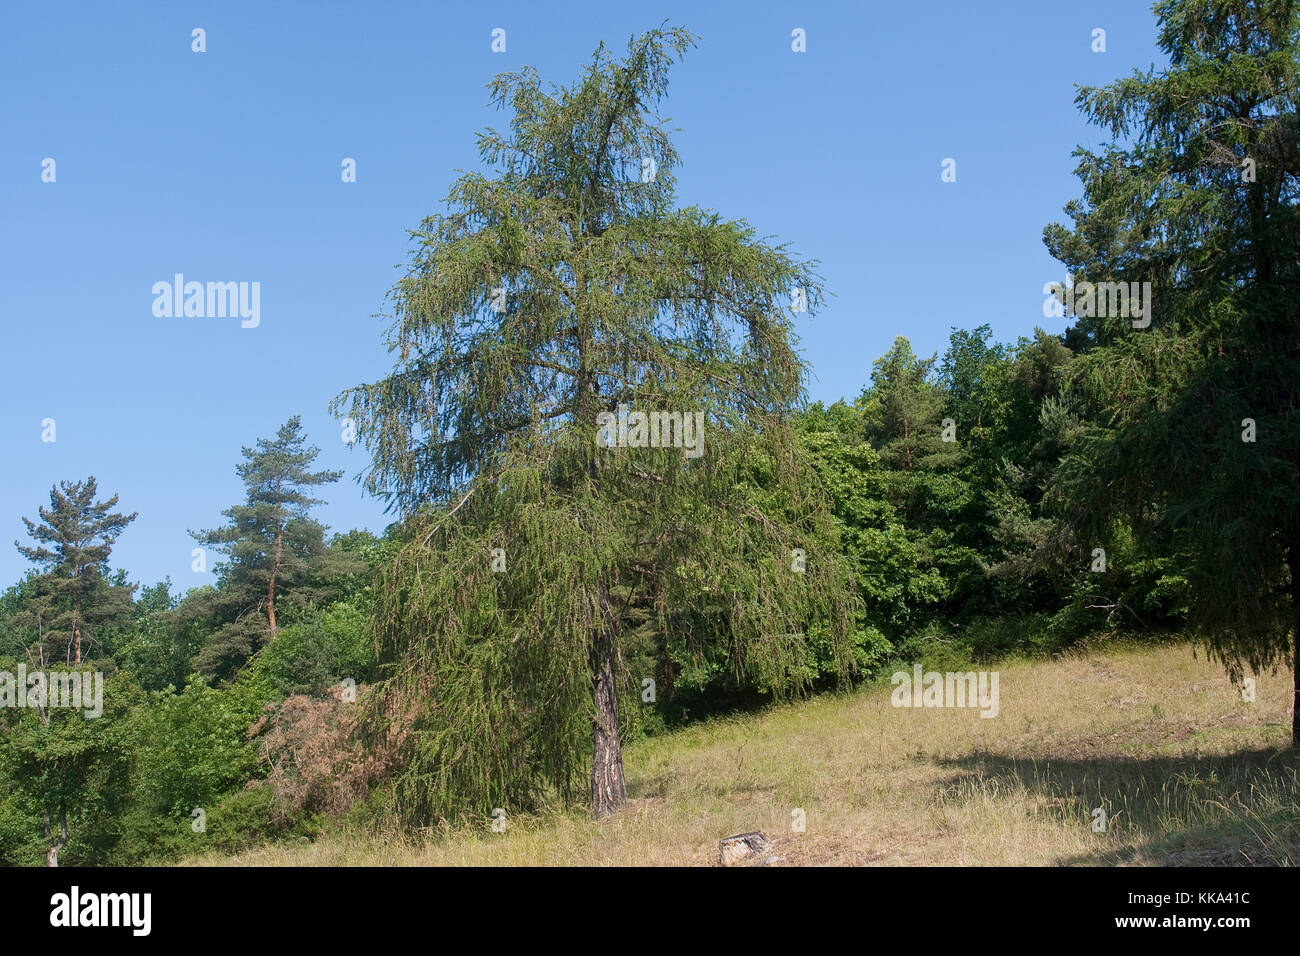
(1186, 771)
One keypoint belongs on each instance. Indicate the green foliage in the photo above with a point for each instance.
(247, 818)
(20, 831)
(237, 820)
(890, 564)
(485, 436)
(73, 598)
(155, 648)
(64, 769)
(319, 651)
(197, 744)
(1164, 406)
(992, 638)
(273, 546)
(903, 408)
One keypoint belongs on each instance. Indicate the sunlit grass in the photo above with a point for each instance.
(1185, 771)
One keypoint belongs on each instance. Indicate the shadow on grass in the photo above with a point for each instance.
(1241, 808)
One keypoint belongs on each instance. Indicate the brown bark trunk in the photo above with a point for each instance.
(275, 568)
(76, 622)
(608, 788)
(1293, 562)
(52, 852)
(270, 601)
(76, 627)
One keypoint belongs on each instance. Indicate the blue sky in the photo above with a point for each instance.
(225, 166)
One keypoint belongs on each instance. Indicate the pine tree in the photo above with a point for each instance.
(907, 425)
(272, 542)
(563, 288)
(1195, 408)
(75, 596)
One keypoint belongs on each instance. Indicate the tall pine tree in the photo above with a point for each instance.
(272, 542)
(75, 597)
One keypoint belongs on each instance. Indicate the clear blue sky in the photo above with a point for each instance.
(225, 166)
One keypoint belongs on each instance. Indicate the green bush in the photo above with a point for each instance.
(322, 649)
(992, 637)
(194, 745)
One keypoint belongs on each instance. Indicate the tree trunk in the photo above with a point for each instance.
(608, 788)
(275, 562)
(1293, 563)
(270, 584)
(270, 602)
(52, 852)
(76, 621)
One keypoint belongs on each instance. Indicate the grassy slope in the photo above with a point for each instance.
(1188, 774)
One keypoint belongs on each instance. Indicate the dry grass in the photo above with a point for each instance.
(1187, 773)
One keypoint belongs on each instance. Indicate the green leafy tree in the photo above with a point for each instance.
(969, 378)
(1198, 196)
(75, 537)
(1029, 425)
(273, 544)
(896, 580)
(67, 771)
(159, 646)
(16, 631)
(562, 284)
(199, 747)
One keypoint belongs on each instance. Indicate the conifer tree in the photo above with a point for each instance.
(1194, 409)
(272, 542)
(563, 297)
(75, 537)
(908, 405)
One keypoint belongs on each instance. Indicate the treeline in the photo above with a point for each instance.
(222, 729)
(184, 678)
(941, 476)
